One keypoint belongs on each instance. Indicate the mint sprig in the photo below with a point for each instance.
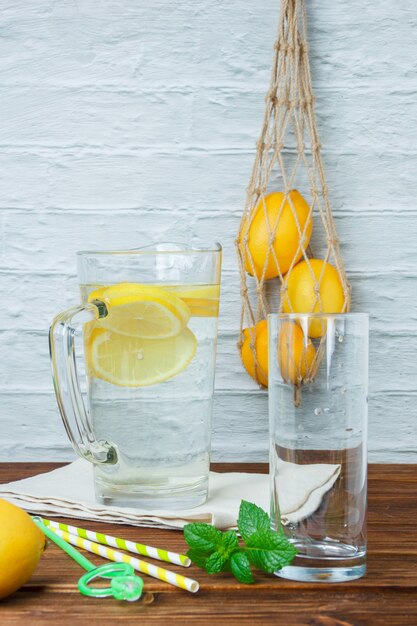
(217, 551)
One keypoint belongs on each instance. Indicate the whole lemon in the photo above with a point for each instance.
(258, 334)
(301, 297)
(287, 234)
(21, 546)
(295, 354)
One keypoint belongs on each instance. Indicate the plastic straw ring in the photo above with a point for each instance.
(124, 584)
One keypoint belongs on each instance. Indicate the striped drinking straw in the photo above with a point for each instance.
(141, 566)
(123, 544)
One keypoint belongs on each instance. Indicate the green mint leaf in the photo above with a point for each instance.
(197, 557)
(217, 552)
(202, 537)
(229, 542)
(216, 562)
(269, 551)
(251, 519)
(240, 567)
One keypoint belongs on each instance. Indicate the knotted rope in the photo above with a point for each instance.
(288, 147)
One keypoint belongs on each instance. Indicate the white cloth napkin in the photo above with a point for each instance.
(301, 488)
(69, 492)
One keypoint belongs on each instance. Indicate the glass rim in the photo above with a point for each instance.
(152, 250)
(297, 316)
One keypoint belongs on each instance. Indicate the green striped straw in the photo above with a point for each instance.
(160, 573)
(124, 544)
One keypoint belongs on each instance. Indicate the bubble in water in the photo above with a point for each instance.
(341, 338)
(317, 411)
(327, 410)
(140, 355)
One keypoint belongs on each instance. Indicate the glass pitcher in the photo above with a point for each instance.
(147, 329)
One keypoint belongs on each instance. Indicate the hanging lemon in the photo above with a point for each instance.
(21, 546)
(301, 296)
(274, 215)
(295, 354)
(259, 372)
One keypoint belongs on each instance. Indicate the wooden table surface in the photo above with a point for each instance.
(386, 595)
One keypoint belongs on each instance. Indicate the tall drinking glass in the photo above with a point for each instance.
(318, 388)
(147, 328)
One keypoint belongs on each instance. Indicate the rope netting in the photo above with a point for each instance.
(287, 212)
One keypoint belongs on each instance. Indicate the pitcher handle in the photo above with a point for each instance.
(66, 384)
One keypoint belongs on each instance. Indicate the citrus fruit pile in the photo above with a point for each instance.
(274, 240)
(143, 340)
(21, 546)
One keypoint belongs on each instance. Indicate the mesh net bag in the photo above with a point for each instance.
(288, 250)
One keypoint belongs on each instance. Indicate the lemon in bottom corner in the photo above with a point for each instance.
(129, 361)
(21, 546)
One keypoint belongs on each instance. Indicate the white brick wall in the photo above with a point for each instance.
(123, 121)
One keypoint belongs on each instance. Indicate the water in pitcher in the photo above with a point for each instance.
(160, 423)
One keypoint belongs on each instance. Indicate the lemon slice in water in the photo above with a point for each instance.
(137, 362)
(142, 311)
(202, 300)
